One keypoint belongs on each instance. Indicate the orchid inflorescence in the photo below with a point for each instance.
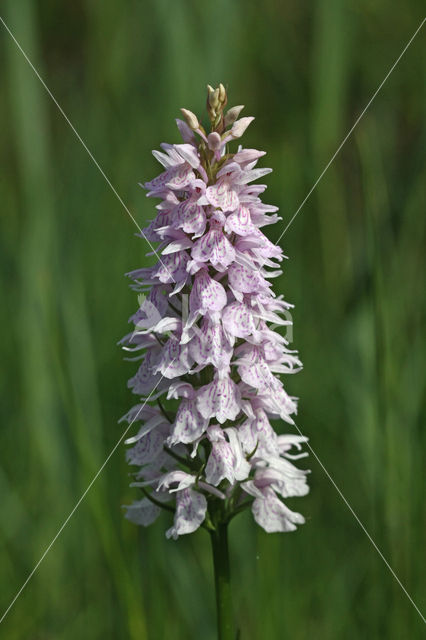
(209, 380)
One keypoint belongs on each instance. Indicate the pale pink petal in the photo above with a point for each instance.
(219, 399)
(240, 126)
(288, 441)
(177, 245)
(191, 508)
(248, 437)
(238, 320)
(190, 217)
(228, 171)
(210, 345)
(189, 154)
(174, 360)
(279, 403)
(273, 515)
(206, 295)
(249, 487)
(240, 222)
(220, 464)
(215, 248)
(248, 155)
(180, 389)
(284, 478)
(245, 280)
(146, 428)
(189, 424)
(214, 141)
(185, 131)
(180, 479)
(252, 174)
(172, 268)
(254, 370)
(241, 466)
(159, 182)
(180, 177)
(222, 195)
(141, 411)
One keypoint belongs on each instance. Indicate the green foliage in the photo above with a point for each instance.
(356, 275)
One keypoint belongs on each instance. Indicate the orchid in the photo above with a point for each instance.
(209, 381)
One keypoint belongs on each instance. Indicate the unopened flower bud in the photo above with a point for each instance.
(232, 114)
(210, 98)
(214, 140)
(240, 126)
(214, 99)
(191, 119)
(210, 102)
(222, 94)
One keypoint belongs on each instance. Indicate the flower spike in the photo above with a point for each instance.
(210, 377)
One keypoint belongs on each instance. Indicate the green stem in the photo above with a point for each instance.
(225, 623)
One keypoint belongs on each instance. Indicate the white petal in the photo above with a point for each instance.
(220, 464)
(273, 515)
(177, 245)
(183, 479)
(189, 424)
(241, 465)
(219, 399)
(189, 154)
(191, 508)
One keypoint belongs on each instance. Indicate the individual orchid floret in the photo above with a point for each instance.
(208, 341)
(226, 460)
(220, 399)
(189, 424)
(207, 296)
(271, 513)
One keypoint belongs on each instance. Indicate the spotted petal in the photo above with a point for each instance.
(174, 360)
(189, 424)
(191, 508)
(273, 515)
(207, 295)
(215, 248)
(240, 222)
(210, 345)
(246, 280)
(238, 320)
(220, 399)
(172, 268)
(223, 195)
(180, 177)
(190, 217)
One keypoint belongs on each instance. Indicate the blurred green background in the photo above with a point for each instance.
(121, 70)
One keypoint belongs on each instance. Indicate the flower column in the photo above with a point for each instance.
(209, 379)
